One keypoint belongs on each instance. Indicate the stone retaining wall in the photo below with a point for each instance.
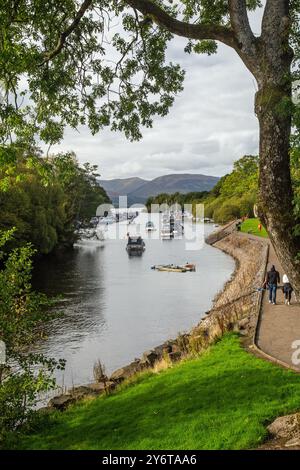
(221, 233)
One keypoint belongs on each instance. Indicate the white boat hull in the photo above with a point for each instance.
(87, 242)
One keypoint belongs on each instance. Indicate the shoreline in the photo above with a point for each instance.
(234, 309)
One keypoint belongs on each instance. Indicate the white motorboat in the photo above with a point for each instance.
(89, 242)
(150, 226)
(107, 221)
(166, 233)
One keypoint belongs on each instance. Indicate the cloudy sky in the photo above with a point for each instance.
(211, 124)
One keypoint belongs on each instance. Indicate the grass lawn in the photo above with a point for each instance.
(251, 226)
(221, 400)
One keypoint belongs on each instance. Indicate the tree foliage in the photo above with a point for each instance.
(51, 80)
(236, 193)
(103, 62)
(43, 198)
(23, 375)
(175, 198)
(243, 179)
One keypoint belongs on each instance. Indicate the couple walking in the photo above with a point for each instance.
(271, 282)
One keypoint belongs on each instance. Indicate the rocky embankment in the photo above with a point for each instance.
(284, 433)
(235, 308)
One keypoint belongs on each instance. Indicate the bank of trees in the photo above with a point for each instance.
(176, 198)
(295, 166)
(40, 201)
(235, 194)
(23, 314)
(42, 198)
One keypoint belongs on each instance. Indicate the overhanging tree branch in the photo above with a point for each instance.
(240, 36)
(181, 28)
(49, 55)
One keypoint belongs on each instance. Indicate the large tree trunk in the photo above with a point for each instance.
(276, 194)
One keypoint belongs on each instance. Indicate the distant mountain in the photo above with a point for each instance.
(122, 187)
(183, 183)
(138, 190)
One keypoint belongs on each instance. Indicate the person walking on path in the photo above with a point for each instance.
(271, 282)
(287, 289)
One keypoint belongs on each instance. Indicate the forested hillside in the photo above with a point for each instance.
(236, 193)
(44, 197)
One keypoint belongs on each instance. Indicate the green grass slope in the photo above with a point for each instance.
(251, 226)
(221, 400)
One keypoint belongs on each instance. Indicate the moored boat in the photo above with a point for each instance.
(171, 268)
(188, 267)
(135, 245)
(150, 226)
(166, 233)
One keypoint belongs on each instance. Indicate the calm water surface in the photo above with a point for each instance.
(116, 307)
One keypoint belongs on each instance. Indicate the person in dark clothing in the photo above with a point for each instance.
(271, 282)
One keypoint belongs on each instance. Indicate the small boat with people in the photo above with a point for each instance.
(135, 245)
(188, 267)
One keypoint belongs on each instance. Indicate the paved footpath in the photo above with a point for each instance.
(279, 327)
